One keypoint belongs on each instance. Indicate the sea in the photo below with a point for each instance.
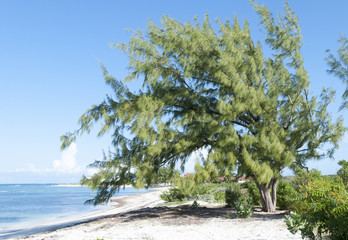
(22, 204)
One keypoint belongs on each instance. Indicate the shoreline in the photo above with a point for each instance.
(25, 230)
(142, 216)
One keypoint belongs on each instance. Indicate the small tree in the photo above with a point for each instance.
(343, 171)
(206, 173)
(214, 90)
(166, 175)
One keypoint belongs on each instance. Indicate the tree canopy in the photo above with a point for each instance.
(339, 66)
(212, 87)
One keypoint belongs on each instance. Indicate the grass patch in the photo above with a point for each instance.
(172, 203)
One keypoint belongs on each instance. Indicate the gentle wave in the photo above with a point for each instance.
(26, 203)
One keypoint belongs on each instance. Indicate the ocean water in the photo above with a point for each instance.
(25, 203)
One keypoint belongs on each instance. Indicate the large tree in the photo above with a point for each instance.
(212, 89)
(339, 66)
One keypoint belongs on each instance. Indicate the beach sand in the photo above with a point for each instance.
(141, 216)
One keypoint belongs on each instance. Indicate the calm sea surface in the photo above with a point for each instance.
(25, 203)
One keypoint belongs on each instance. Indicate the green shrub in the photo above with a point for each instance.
(187, 189)
(219, 196)
(321, 208)
(286, 194)
(200, 189)
(186, 185)
(240, 200)
(244, 206)
(205, 198)
(296, 222)
(303, 177)
(253, 191)
(343, 171)
(184, 189)
(232, 194)
(174, 195)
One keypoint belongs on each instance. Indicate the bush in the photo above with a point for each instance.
(200, 189)
(303, 177)
(219, 196)
(185, 188)
(343, 171)
(286, 194)
(241, 201)
(232, 194)
(296, 222)
(253, 192)
(244, 206)
(174, 195)
(322, 207)
(205, 198)
(186, 185)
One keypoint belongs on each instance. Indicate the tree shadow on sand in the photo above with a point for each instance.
(186, 215)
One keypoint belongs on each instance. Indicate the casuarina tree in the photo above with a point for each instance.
(339, 66)
(213, 88)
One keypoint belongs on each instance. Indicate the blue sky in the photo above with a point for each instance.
(50, 74)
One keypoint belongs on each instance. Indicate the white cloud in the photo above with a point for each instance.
(192, 160)
(67, 163)
(91, 171)
(30, 168)
(64, 170)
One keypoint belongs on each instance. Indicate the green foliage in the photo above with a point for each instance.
(244, 206)
(165, 175)
(233, 194)
(206, 173)
(211, 87)
(303, 177)
(286, 194)
(187, 189)
(219, 196)
(206, 197)
(212, 193)
(241, 201)
(343, 171)
(339, 66)
(184, 188)
(253, 192)
(187, 185)
(172, 203)
(321, 208)
(111, 177)
(174, 195)
(296, 222)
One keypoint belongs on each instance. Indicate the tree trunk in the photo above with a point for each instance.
(268, 194)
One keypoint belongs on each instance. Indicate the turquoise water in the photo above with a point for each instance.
(25, 203)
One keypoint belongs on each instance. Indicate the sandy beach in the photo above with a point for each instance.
(143, 216)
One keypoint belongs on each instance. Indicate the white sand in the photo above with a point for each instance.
(137, 217)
